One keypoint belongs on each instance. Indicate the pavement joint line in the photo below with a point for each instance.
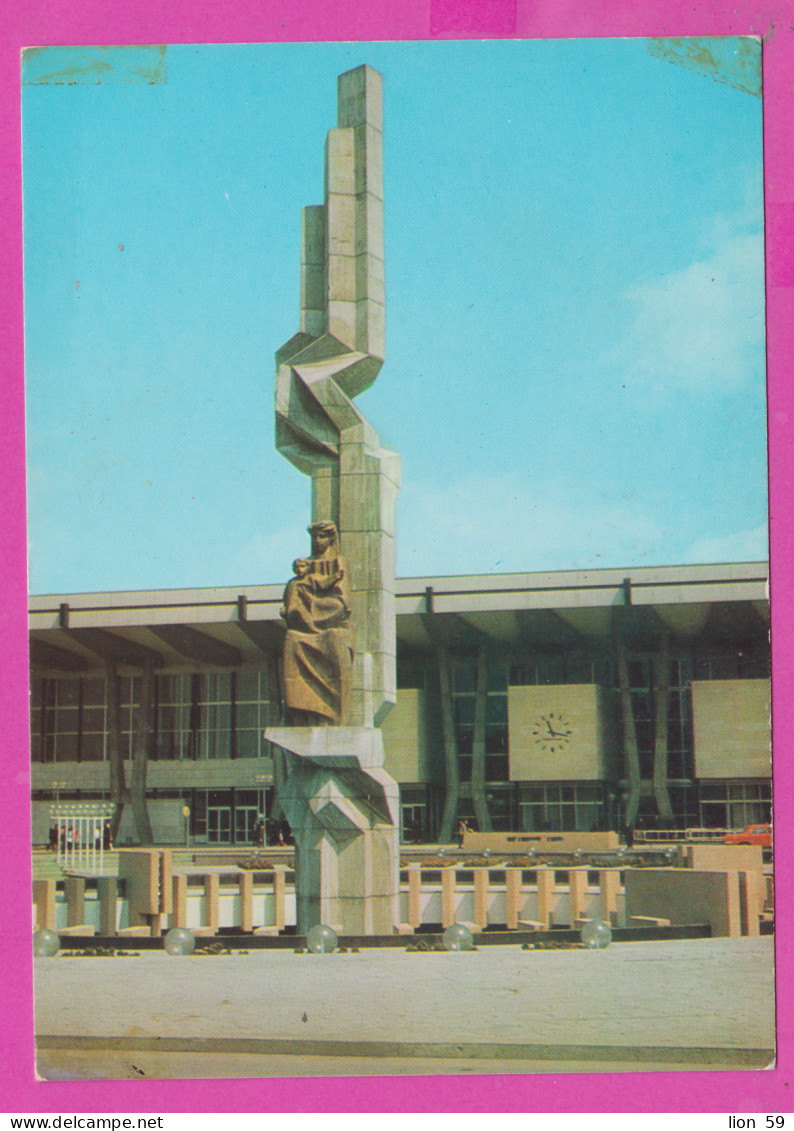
(733, 1055)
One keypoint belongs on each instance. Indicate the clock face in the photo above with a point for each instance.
(552, 731)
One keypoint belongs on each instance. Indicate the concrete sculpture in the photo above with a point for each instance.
(318, 647)
(341, 804)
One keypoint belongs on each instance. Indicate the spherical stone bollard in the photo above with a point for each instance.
(321, 940)
(46, 943)
(458, 937)
(180, 940)
(596, 935)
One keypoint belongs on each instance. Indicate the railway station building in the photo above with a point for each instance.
(577, 700)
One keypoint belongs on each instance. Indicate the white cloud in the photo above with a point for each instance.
(703, 326)
(742, 546)
(501, 524)
(266, 559)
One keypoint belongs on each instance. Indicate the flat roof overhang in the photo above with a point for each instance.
(225, 627)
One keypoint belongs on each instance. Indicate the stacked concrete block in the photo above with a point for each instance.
(681, 895)
(141, 871)
(342, 807)
(44, 904)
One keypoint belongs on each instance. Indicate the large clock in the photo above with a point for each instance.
(552, 731)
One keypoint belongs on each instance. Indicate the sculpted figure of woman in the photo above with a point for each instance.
(318, 648)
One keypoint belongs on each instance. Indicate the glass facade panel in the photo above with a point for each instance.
(207, 715)
(561, 808)
(464, 679)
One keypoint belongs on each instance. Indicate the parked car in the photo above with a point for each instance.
(753, 834)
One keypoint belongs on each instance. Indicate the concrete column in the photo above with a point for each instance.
(414, 896)
(179, 901)
(660, 790)
(279, 893)
(481, 885)
(450, 748)
(44, 900)
(631, 749)
(512, 897)
(118, 786)
(211, 900)
(447, 897)
(107, 888)
(75, 901)
(609, 880)
(166, 887)
(750, 902)
(577, 882)
(733, 910)
(545, 896)
(246, 901)
(144, 730)
(478, 746)
(275, 718)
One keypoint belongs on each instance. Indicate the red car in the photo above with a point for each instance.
(753, 834)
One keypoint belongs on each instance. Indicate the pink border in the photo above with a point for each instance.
(138, 21)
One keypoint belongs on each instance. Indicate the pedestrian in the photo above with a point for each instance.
(259, 832)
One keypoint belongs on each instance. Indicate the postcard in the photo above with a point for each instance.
(399, 574)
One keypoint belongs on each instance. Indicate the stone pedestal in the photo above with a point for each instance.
(343, 809)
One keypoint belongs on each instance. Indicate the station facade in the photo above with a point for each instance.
(575, 700)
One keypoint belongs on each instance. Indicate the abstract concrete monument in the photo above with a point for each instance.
(341, 804)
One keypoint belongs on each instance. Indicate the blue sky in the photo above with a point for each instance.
(574, 370)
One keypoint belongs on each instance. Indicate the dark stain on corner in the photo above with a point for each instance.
(731, 59)
(144, 64)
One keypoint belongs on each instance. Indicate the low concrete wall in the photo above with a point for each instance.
(724, 857)
(551, 842)
(686, 896)
(156, 898)
(141, 869)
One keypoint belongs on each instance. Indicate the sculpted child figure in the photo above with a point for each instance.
(318, 648)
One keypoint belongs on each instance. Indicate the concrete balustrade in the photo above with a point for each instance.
(150, 897)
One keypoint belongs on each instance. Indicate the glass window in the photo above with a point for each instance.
(522, 675)
(496, 740)
(248, 684)
(94, 693)
(68, 692)
(92, 747)
(66, 747)
(496, 710)
(464, 710)
(497, 768)
(252, 713)
(174, 694)
(464, 678)
(578, 669)
(496, 677)
(550, 670)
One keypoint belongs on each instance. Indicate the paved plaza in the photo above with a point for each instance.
(701, 1004)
